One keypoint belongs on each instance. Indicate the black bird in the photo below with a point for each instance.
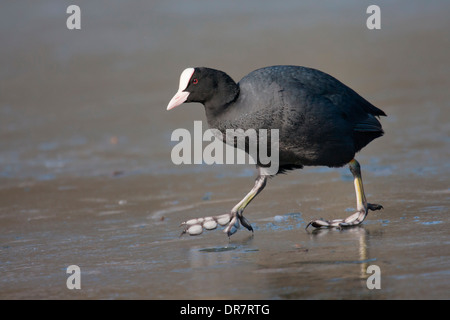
(321, 122)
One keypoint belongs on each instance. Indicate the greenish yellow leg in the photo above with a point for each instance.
(355, 169)
(237, 211)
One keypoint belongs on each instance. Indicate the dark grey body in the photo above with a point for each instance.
(321, 121)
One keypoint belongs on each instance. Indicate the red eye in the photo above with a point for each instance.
(195, 81)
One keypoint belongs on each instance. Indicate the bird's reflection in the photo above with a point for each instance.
(360, 234)
(307, 267)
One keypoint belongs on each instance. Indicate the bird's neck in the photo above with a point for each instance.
(216, 107)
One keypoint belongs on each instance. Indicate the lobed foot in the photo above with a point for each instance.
(231, 220)
(353, 220)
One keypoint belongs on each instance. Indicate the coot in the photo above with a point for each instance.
(321, 122)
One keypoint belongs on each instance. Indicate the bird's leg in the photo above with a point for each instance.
(362, 206)
(232, 219)
(236, 213)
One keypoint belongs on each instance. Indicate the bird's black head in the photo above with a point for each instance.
(213, 88)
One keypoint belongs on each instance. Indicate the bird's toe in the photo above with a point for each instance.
(196, 226)
(374, 206)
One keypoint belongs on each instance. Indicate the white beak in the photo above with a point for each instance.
(181, 95)
(177, 99)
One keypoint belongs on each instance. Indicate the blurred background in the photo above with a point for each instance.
(85, 148)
